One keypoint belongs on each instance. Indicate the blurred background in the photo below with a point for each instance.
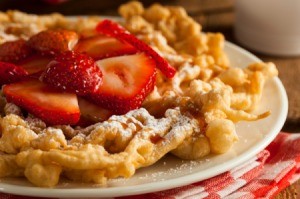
(207, 12)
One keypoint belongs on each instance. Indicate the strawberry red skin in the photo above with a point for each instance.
(10, 73)
(102, 46)
(51, 42)
(14, 51)
(35, 64)
(56, 108)
(119, 100)
(113, 29)
(73, 72)
(121, 105)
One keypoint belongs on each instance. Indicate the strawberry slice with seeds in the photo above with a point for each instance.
(92, 112)
(14, 51)
(127, 80)
(74, 72)
(35, 64)
(10, 73)
(102, 46)
(46, 103)
(51, 42)
(113, 29)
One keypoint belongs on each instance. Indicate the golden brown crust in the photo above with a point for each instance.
(195, 111)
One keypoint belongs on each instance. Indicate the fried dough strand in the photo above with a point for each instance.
(110, 150)
(191, 115)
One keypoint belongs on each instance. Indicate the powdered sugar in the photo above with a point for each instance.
(11, 108)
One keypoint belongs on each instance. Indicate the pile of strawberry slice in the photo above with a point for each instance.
(63, 78)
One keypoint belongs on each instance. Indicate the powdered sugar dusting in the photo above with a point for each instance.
(11, 108)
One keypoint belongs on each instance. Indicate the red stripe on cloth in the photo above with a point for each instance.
(282, 157)
(262, 157)
(212, 196)
(222, 184)
(293, 149)
(277, 170)
(283, 183)
(217, 183)
(284, 149)
(276, 145)
(256, 185)
(272, 189)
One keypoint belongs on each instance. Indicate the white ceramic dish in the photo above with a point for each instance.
(171, 172)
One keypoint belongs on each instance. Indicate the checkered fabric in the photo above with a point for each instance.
(263, 176)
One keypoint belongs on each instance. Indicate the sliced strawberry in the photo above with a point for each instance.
(35, 63)
(46, 103)
(10, 73)
(101, 46)
(92, 112)
(52, 42)
(14, 51)
(74, 72)
(113, 29)
(127, 80)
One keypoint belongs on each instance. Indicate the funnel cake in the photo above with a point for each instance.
(190, 115)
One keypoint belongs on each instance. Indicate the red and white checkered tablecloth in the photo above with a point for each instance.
(263, 176)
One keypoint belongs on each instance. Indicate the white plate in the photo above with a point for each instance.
(171, 172)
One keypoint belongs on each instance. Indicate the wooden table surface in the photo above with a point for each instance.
(215, 16)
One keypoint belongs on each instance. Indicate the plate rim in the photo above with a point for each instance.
(170, 183)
